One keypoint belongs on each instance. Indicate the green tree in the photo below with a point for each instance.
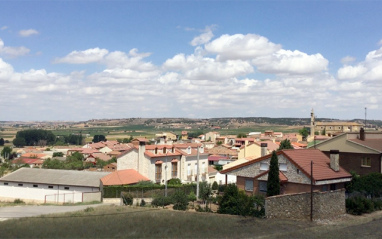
(241, 135)
(1, 142)
(215, 186)
(58, 154)
(98, 138)
(285, 144)
(304, 132)
(6, 152)
(273, 184)
(19, 142)
(180, 200)
(33, 137)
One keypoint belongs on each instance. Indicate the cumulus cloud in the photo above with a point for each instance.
(223, 77)
(28, 32)
(369, 70)
(83, 57)
(239, 46)
(291, 62)
(12, 51)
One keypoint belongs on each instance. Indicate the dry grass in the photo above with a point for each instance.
(126, 222)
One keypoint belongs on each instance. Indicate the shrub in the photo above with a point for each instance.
(143, 203)
(89, 209)
(127, 199)
(18, 201)
(174, 181)
(161, 201)
(215, 186)
(221, 188)
(236, 202)
(359, 205)
(180, 200)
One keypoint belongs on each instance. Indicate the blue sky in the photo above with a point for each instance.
(79, 60)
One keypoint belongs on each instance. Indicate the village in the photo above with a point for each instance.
(315, 167)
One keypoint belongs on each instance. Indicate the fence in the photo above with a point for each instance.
(74, 197)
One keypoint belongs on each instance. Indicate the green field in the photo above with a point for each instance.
(126, 222)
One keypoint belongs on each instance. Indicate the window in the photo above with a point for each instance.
(204, 171)
(174, 169)
(264, 166)
(20, 184)
(66, 188)
(248, 185)
(366, 162)
(283, 167)
(332, 187)
(189, 169)
(324, 188)
(196, 169)
(263, 186)
(50, 186)
(156, 150)
(164, 150)
(5, 183)
(35, 185)
(298, 171)
(158, 172)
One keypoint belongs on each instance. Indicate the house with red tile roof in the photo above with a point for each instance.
(254, 149)
(163, 162)
(294, 171)
(360, 152)
(123, 177)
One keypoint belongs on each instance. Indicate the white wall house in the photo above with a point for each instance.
(164, 162)
(52, 185)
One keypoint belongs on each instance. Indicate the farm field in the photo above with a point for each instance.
(126, 222)
(120, 132)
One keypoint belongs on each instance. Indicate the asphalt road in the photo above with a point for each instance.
(35, 210)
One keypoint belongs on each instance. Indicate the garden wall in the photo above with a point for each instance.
(326, 205)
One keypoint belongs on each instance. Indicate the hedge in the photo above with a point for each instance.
(146, 191)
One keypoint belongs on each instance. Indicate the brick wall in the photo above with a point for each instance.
(352, 162)
(326, 205)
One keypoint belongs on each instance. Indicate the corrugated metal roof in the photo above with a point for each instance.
(56, 177)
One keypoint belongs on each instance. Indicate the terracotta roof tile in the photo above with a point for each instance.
(123, 177)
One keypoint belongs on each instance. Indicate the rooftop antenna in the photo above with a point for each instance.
(365, 116)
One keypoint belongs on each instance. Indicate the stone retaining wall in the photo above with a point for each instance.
(326, 205)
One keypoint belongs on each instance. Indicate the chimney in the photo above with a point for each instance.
(263, 149)
(362, 134)
(335, 160)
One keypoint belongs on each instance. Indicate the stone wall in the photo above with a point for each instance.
(326, 205)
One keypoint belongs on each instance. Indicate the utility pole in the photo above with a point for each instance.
(197, 174)
(165, 177)
(311, 191)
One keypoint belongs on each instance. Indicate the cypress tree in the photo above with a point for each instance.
(273, 184)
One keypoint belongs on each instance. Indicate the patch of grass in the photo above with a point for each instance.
(130, 222)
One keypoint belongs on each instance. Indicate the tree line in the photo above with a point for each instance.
(40, 137)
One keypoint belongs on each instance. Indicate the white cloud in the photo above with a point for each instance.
(347, 59)
(203, 38)
(4, 28)
(291, 62)
(12, 51)
(83, 57)
(220, 79)
(368, 70)
(242, 47)
(28, 32)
